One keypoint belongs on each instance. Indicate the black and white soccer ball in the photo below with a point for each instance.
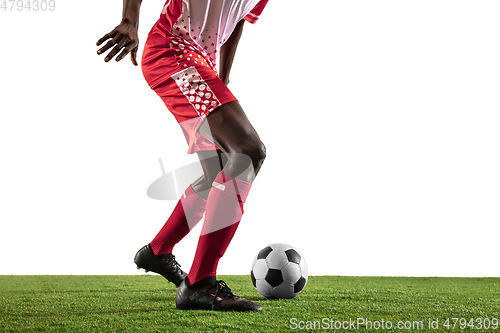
(279, 271)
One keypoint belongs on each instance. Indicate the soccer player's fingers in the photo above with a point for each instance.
(117, 39)
(123, 54)
(130, 47)
(107, 36)
(106, 47)
(120, 42)
(127, 44)
(103, 38)
(133, 56)
(113, 52)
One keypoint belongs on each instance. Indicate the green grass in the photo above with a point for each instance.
(145, 303)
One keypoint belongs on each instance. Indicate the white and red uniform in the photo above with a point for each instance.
(180, 57)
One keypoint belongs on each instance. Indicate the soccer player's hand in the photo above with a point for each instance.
(124, 38)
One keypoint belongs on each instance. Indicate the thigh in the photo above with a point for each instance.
(187, 84)
(229, 128)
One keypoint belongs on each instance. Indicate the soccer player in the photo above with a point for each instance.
(179, 63)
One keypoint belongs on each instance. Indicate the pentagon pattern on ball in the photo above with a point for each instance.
(264, 252)
(293, 256)
(274, 277)
(299, 285)
(279, 271)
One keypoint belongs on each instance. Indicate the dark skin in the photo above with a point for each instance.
(241, 152)
(124, 37)
(228, 51)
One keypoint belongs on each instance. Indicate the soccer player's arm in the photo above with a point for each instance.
(124, 37)
(227, 52)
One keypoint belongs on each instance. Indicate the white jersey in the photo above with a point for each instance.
(207, 24)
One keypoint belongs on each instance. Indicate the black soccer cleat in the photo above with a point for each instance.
(164, 264)
(216, 297)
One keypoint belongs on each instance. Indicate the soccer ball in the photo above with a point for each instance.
(279, 271)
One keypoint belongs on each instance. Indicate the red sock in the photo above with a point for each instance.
(186, 215)
(223, 214)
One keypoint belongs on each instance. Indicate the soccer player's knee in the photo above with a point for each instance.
(259, 154)
(247, 157)
(256, 152)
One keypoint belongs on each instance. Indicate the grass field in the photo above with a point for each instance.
(145, 303)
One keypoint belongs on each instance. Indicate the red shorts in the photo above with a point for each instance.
(186, 81)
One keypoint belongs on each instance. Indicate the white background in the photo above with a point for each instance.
(381, 121)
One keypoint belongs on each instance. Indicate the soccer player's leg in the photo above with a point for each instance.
(212, 162)
(157, 256)
(229, 128)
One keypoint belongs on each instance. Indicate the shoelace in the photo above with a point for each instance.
(221, 285)
(172, 262)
